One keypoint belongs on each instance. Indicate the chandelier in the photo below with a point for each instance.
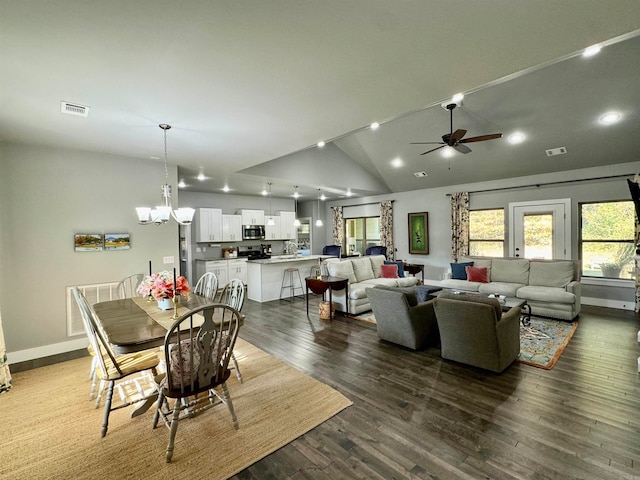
(160, 214)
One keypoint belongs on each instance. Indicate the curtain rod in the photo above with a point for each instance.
(538, 185)
(370, 203)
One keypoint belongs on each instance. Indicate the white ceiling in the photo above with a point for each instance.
(250, 86)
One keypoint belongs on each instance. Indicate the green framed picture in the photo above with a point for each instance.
(419, 233)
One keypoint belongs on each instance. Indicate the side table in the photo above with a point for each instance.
(414, 269)
(319, 285)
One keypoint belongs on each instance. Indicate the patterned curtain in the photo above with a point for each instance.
(636, 179)
(386, 227)
(5, 374)
(459, 225)
(338, 229)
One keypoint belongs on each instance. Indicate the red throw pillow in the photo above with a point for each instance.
(477, 274)
(389, 271)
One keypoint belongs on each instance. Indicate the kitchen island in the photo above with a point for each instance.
(264, 276)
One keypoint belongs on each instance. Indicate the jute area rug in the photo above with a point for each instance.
(541, 343)
(50, 430)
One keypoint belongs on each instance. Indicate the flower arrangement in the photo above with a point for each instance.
(160, 285)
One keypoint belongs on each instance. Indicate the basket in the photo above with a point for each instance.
(326, 310)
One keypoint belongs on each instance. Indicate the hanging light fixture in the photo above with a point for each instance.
(160, 215)
(318, 221)
(296, 222)
(270, 222)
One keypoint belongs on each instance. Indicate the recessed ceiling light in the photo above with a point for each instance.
(610, 117)
(201, 177)
(457, 97)
(349, 193)
(226, 188)
(516, 137)
(181, 184)
(321, 144)
(265, 193)
(375, 126)
(397, 162)
(448, 152)
(591, 51)
(322, 197)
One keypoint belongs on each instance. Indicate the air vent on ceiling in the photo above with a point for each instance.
(420, 174)
(74, 109)
(552, 152)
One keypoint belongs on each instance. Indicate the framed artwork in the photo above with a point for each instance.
(89, 242)
(117, 241)
(419, 233)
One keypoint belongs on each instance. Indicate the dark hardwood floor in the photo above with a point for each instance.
(415, 415)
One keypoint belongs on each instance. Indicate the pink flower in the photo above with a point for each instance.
(160, 285)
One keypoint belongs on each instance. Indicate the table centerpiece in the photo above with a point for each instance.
(162, 286)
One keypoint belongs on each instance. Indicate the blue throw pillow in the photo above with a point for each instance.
(400, 267)
(458, 270)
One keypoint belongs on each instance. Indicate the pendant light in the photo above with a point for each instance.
(270, 222)
(296, 222)
(161, 214)
(318, 221)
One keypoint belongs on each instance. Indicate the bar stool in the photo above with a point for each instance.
(290, 272)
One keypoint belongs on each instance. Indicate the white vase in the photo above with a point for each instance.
(165, 304)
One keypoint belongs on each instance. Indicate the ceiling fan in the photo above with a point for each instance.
(454, 139)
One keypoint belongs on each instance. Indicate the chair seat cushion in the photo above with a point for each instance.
(546, 294)
(187, 391)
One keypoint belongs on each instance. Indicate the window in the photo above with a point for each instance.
(364, 230)
(607, 247)
(486, 232)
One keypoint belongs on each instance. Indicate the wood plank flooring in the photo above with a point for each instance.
(418, 416)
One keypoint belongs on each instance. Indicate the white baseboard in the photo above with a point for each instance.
(605, 302)
(46, 350)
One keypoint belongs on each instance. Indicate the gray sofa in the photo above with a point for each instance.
(474, 331)
(362, 272)
(400, 319)
(551, 287)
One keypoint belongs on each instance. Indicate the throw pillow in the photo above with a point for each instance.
(389, 271)
(458, 270)
(477, 274)
(400, 267)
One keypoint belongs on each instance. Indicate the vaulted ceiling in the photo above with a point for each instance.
(250, 87)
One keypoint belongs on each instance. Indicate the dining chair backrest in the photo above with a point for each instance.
(207, 286)
(96, 334)
(233, 294)
(128, 285)
(198, 347)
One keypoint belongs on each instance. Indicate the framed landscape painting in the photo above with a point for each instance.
(89, 242)
(117, 241)
(419, 233)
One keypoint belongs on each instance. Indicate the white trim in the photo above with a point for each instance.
(605, 302)
(46, 350)
(608, 282)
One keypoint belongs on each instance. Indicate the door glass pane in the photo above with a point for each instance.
(538, 236)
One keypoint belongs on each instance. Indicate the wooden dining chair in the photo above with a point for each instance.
(197, 349)
(233, 295)
(113, 368)
(207, 286)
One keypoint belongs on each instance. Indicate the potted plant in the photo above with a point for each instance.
(621, 257)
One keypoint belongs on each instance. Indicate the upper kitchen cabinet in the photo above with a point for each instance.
(209, 225)
(231, 228)
(287, 229)
(252, 217)
(272, 232)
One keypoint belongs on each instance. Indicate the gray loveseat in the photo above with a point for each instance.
(551, 287)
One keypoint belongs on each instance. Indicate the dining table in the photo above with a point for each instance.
(137, 323)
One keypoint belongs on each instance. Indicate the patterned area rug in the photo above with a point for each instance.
(541, 343)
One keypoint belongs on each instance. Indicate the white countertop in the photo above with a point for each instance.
(287, 258)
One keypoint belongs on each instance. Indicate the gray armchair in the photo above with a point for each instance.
(401, 319)
(474, 331)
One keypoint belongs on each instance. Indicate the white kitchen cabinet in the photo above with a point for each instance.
(272, 232)
(252, 217)
(287, 230)
(208, 225)
(218, 267)
(237, 268)
(231, 228)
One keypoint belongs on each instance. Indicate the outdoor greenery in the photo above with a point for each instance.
(486, 232)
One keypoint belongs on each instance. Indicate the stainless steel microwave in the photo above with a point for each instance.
(253, 232)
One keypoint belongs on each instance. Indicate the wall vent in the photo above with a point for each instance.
(74, 109)
(420, 174)
(99, 292)
(552, 152)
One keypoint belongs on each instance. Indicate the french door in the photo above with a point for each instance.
(540, 229)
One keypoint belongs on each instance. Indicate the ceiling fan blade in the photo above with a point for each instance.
(426, 143)
(482, 138)
(433, 150)
(456, 136)
(462, 148)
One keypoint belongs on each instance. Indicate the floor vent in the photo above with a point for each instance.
(99, 292)
(74, 109)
